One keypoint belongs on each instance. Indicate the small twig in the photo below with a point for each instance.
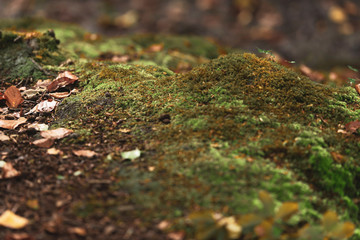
(41, 69)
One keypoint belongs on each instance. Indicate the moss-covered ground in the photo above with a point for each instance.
(213, 129)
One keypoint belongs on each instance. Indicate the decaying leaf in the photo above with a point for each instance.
(343, 231)
(44, 106)
(32, 93)
(54, 151)
(313, 75)
(12, 124)
(38, 126)
(44, 142)
(19, 236)
(13, 97)
(62, 80)
(56, 133)
(176, 235)
(351, 127)
(8, 171)
(11, 220)
(131, 154)
(85, 153)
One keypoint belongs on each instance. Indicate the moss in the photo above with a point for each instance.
(237, 124)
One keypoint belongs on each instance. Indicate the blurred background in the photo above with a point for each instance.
(319, 33)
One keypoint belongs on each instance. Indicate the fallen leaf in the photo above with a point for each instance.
(32, 93)
(12, 124)
(330, 220)
(62, 80)
(39, 126)
(56, 133)
(351, 127)
(78, 231)
(313, 75)
(44, 106)
(8, 171)
(176, 235)
(85, 153)
(13, 97)
(3, 137)
(11, 220)
(54, 151)
(343, 231)
(286, 210)
(60, 95)
(19, 236)
(44, 142)
(33, 204)
(43, 83)
(163, 225)
(131, 154)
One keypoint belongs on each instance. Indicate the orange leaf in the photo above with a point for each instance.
(13, 97)
(343, 231)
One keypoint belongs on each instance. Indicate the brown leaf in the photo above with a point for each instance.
(62, 80)
(13, 97)
(19, 236)
(56, 133)
(8, 171)
(11, 220)
(12, 124)
(313, 75)
(78, 231)
(60, 95)
(351, 127)
(44, 142)
(85, 153)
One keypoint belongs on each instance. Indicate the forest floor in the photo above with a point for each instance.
(170, 137)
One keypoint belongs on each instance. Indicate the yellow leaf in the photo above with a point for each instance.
(232, 227)
(286, 210)
(267, 201)
(264, 230)
(343, 230)
(249, 220)
(11, 220)
(330, 219)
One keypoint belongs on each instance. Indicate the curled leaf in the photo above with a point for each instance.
(62, 80)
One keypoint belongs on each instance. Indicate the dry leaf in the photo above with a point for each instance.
(54, 151)
(78, 231)
(43, 83)
(3, 137)
(62, 80)
(85, 153)
(13, 97)
(56, 133)
(11, 220)
(60, 95)
(176, 235)
(19, 236)
(8, 171)
(44, 142)
(12, 124)
(44, 106)
(351, 127)
(313, 75)
(286, 210)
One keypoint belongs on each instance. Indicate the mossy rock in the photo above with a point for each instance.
(22, 55)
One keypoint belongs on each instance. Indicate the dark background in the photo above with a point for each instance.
(319, 33)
